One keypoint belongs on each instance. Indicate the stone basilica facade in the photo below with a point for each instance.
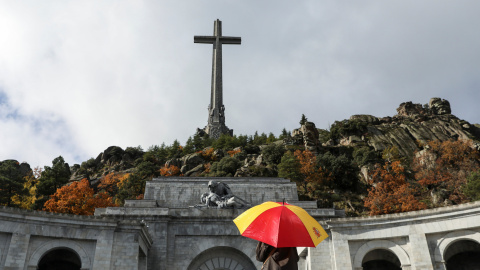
(168, 230)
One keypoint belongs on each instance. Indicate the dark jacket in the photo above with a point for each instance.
(285, 258)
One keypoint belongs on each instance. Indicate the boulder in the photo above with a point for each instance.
(364, 174)
(191, 161)
(439, 106)
(439, 197)
(260, 161)
(251, 160)
(243, 172)
(195, 171)
(307, 135)
(347, 141)
(365, 118)
(410, 109)
(177, 162)
(112, 154)
(219, 154)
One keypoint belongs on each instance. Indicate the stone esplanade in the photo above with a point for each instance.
(167, 231)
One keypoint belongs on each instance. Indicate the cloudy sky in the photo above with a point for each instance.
(79, 76)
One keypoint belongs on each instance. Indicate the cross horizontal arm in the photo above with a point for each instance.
(204, 39)
(231, 40)
(212, 39)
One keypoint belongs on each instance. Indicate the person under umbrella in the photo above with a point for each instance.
(285, 258)
(280, 228)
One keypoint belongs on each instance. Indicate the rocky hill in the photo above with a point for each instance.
(408, 130)
(347, 153)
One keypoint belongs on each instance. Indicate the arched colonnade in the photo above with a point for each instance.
(455, 250)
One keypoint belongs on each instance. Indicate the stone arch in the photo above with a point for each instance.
(380, 244)
(449, 239)
(221, 258)
(56, 244)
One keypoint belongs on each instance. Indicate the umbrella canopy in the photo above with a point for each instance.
(280, 225)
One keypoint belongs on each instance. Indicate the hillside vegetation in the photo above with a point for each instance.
(423, 157)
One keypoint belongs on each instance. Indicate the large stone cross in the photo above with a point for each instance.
(216, 110)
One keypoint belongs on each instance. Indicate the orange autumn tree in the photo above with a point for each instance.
(234, 152)
(171, 170)
(390, 191)
(312, 175)
(78, 198)
(111, 182)
(446, 165)
(208, 154)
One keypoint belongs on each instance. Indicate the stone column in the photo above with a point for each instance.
(103, 250)
(421, 258)
(341, 252)
(17, 252)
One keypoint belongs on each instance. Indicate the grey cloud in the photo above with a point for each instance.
(129, 74)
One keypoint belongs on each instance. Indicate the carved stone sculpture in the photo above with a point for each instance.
(219, 188)
(213, 200)
(220, 195)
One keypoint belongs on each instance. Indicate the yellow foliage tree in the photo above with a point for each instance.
(27, 201)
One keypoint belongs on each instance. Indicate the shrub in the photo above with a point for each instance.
(472, 188)
(341, 169)
(273, 153)
(227, 166)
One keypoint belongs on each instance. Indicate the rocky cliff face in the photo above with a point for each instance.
(413, 126)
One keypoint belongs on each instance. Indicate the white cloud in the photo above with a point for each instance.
(84, 75)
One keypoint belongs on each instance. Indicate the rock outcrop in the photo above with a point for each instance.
(307, 135)
(413, 126)
(22, 169)
(113, 159)
(439, 106)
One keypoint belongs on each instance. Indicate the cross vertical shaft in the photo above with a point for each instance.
(216, 109)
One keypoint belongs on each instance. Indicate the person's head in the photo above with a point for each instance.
(212, 185)
(203, 198)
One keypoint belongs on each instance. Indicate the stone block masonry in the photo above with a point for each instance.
(181, 192)
(163, 232)
(28, 236)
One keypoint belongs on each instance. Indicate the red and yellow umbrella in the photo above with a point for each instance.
(280, 225)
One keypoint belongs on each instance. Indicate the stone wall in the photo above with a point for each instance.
(418, 239)
(27, 236)
(146, 235)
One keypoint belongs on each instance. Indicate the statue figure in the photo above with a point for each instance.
(213, 200)
(220, 188)
(221, 196)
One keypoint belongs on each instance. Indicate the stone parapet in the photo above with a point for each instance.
(423, 216)
(191, 213)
